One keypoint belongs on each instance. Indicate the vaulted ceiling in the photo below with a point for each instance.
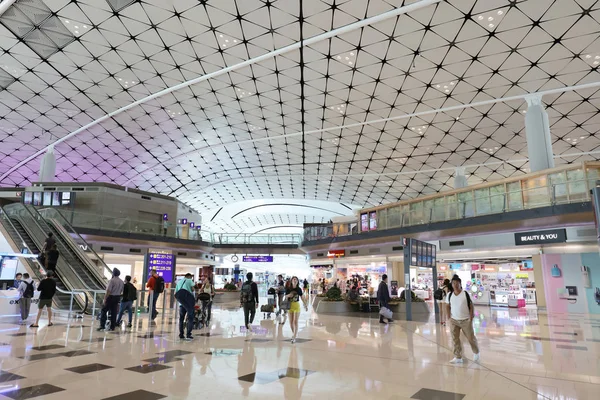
(205, 101)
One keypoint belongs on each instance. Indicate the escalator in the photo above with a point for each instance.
(74, 269)
(19, 235)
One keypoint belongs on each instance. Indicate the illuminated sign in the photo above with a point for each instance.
(257, 259)
(336, 253)
(163, 263)
(541, 237)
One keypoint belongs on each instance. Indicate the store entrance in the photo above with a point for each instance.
(505, 282)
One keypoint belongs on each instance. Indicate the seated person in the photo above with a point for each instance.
(353, 295)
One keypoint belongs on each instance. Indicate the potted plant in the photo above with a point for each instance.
(227, 294)
(333, 302)
(418, 305)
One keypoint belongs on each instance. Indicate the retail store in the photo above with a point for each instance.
(495, 282)
(366, 271)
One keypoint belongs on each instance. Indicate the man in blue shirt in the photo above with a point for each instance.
(184, 293)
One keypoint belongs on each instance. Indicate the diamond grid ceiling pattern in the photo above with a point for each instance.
(196, 143)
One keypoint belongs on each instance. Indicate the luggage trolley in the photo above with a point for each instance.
(269, 308)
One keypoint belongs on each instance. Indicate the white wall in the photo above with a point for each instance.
(290, 265)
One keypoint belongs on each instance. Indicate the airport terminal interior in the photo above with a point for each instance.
(420, 168)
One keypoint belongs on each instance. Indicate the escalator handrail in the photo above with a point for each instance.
(101, 281)
(78, 250)
(63, 262)
(73, 292)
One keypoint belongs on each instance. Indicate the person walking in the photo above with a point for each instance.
(26, 289)
(208, 288)
(383, 297)
(460, 309)
(47, 289)
(280, 294)
(446, 287)
(249, 300)
(49, 242)
(129, 297)
(156, 285)
(294, 295)
(52, 258)
(184, 293)
(114, 290)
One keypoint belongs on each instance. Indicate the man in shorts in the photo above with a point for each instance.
(47, 289)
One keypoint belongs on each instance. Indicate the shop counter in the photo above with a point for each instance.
(423, 294)
(530, 296)
(9, 301)
(484, 299)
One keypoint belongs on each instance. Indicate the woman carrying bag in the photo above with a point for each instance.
(293, 296)
(206, 295)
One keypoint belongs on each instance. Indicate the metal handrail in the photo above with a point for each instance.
(65, 277)
(30, 261)
(73, 293)
(80, 253)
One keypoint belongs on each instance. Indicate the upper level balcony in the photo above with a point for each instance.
(565, 185)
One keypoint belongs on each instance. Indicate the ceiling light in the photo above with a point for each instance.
(486, 19)
(500, 12)
(67, 21)
(581, 137)
(480, 18)
(568, 138)
(491, 26)
(490, 19)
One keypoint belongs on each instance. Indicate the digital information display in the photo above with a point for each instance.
(164, 263)
(257, 259)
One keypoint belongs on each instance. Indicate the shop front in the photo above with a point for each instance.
(366, 274)
(509, 284)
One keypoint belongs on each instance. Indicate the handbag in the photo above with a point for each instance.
(386, 312)
(285, 305)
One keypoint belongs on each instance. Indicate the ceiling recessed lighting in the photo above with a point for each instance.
(85, 26)
(500, 12)
(581, 137)
(491, 26)
(588, 56)
(480, 18)
(490, 19)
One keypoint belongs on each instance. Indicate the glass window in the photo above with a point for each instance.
(382, 218)
(536, 192)
(415, 215)
(428, 210)
(451, 206)
(482, 201)
(577, 186)
(515, 196)
(439, 209)
(466, 205)
(559, 187)
(498, 199)
(394, 217)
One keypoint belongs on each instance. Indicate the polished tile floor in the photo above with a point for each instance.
(525, 355)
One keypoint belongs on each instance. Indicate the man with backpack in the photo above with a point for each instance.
(184, 293)
(156, 285)
(129, 297)
(249, 300)
(26, 289)
(460, 309)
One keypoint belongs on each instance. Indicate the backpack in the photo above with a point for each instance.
(159, 285)
(28, 294)
(132, 293)
(438, 294)
(469, 303)
(246, 294)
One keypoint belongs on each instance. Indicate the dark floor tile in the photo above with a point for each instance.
(567, 347)
(259, 340)
(18, 334)
(7, 377)
(566, 333)
(77, 353)
(593, 340)
(168, 356)
(32, 391)
(85, 369)
(223, 353)
(430, 394)
(555, 326)
(44, 356)
(294, 373)
(97, 339)
(299, 340)
(208, 334)
(137, 395)
(49, 347)
(260, 378)
(147, 368)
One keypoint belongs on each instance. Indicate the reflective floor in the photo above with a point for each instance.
(525, 355)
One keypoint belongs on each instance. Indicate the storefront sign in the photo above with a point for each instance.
(489, 268)
(336, 253)
(541, 237)
(455, 266)
(443, 268)
(526, 266)
(475, 267)
(163, 263)
(257, 259)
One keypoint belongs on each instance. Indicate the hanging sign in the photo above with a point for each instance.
(541, 237)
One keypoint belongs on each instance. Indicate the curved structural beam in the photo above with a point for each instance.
(307, 42)
(396, 118)
(286, 205)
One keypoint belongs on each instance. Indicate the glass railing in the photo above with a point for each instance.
(258, 238)
(111, 225)
(98, 268)
(558, 186)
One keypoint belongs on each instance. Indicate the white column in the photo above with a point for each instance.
(48, 166)
(460, 180)
(537, 129)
